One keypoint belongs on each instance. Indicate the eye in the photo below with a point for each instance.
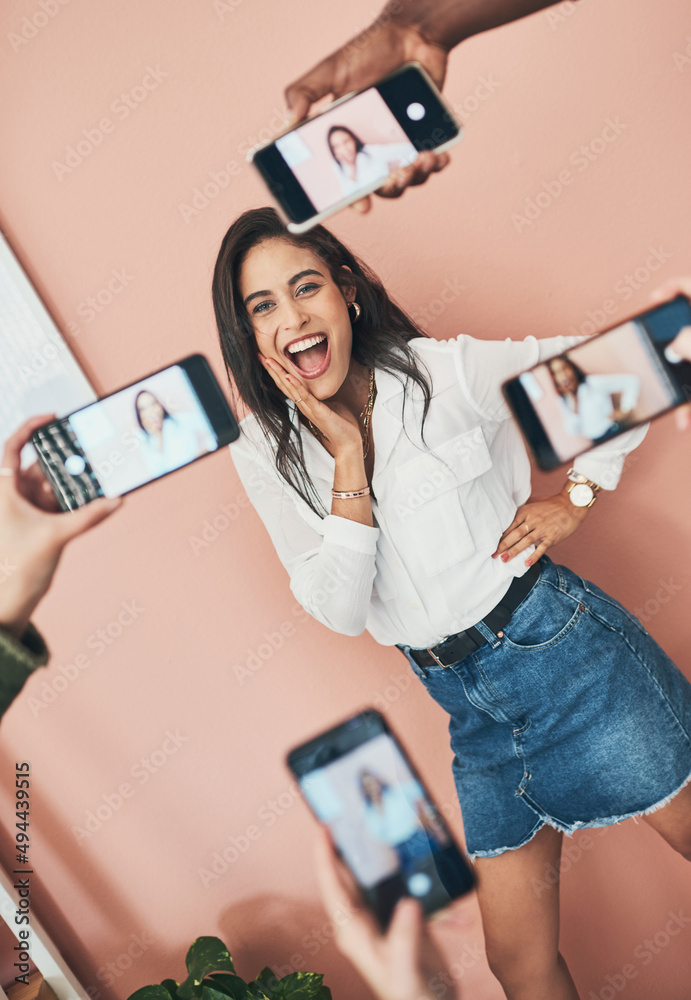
(261, 307)
(310, 286)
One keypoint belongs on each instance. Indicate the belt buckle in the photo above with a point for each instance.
(430, 650)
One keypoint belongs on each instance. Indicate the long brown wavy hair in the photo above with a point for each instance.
(380, 336)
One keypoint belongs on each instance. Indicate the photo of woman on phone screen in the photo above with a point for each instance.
(397, 493)
(359, 164)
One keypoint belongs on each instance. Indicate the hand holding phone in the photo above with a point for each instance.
(32, 532)
(351, 148)
(402, 964)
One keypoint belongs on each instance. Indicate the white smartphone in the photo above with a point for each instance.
(349, 149)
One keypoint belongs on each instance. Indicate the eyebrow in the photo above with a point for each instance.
(291, 281)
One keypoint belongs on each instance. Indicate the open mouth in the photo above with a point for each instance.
(309, 355)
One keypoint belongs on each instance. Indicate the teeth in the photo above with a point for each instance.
(302, 345)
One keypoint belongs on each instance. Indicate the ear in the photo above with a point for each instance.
(349, 291)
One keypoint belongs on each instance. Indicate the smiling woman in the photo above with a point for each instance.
(396, 490)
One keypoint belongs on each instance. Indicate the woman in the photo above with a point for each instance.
(398, 816)
(165, 441)
(394, 485)
(597, 406)
(358, 164)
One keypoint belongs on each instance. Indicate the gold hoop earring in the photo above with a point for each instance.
(358, 311)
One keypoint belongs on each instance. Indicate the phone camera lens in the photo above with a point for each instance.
(415, 111)
(75, 465)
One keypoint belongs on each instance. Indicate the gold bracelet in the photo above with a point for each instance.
(350, 496)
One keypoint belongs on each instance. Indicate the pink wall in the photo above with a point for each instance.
(523, 233)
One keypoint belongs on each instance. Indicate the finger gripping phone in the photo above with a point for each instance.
(359, 782)
(603, 387)
(349, 149)
(139, 433)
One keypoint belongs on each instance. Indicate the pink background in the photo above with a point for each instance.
(462, 256)
(371, 121)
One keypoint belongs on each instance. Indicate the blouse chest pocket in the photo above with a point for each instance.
(433, 490)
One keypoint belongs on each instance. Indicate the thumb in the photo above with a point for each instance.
(405, 936)
(76, 522)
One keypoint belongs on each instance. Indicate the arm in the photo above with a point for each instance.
(330, 561)
(421, 31)
(32, 536)
(449, 22)
(19, 657)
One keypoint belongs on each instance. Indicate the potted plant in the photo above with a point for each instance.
(211, 976)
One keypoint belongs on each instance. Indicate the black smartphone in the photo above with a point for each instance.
(616, 380)
(349, 149)
(135, 435)
(357, 780)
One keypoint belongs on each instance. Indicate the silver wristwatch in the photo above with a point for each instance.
(583, 491)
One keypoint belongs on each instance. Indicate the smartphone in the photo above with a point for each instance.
(139, 433)
(358, 781)
(349, 149)
(603, 387)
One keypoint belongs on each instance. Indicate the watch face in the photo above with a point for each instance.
(581, 495)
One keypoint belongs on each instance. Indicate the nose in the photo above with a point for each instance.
(292, 316)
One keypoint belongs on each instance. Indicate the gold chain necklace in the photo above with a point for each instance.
(366, 416)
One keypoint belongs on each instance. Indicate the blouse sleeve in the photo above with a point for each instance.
(330, 560)
(483, 365)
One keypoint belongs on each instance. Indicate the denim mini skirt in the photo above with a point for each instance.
(574, 717)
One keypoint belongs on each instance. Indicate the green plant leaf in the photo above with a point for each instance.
(150, 993)
(232, 986)
(239, 990)
(296, 986)
(207, 954)
(172, 986)
(264, 984)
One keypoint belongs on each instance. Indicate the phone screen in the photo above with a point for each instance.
(343, 151)
(605, 386)
(352, 147)
(384, 825)
(130, 438)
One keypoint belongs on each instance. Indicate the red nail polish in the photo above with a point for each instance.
(505, 557)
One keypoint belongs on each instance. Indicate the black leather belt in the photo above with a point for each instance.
(455, 647)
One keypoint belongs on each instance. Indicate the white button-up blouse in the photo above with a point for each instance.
(424, 571)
